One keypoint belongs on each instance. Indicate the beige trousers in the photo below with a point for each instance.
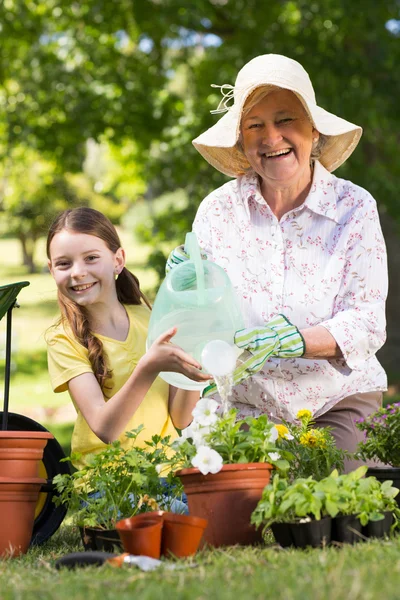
(342, 417)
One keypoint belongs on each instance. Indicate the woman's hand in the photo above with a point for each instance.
(164, 356)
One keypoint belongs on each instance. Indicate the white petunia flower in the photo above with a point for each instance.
(196, 432)
(274, 455)
(204, 412)
(207, 460)
(273, 434)
(289, 436)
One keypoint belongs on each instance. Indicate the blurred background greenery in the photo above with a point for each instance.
(99, 102)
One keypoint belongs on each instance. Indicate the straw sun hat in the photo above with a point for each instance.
(218, 144)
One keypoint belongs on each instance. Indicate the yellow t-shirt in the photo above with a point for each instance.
(67, 358)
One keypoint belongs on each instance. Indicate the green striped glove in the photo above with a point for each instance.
(178, 256)
(279, 338)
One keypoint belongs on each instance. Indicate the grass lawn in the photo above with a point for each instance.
(367, 571)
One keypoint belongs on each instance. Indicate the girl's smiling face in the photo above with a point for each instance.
(277, 139)
(84, 268)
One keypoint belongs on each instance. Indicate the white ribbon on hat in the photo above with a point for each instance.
(226, 97)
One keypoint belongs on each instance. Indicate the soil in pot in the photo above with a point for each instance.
(384, 473)
(379, 529)
(227, 500)
(141, 536)
(181, 534)
(18, 498)
(314, 533)
(21, 452)
(346, 529)
(283, 534)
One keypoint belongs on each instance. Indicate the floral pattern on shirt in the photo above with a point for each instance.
(324, 263)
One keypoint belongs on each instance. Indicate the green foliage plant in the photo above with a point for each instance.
(335, 495)
(314, 449)
(118, 483)
(382, 434)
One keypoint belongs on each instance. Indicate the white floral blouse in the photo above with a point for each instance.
(324, 263)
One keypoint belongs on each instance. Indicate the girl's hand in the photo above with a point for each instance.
(164, 356)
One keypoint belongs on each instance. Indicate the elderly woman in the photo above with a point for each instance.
(296, 241)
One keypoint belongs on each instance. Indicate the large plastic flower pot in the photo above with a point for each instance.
(346, 529)
(227, 500)
(181, 534)
(18, 498)
(141, 536)
(314, 533)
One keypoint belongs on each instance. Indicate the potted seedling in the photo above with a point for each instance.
(382, 432)
(314, 449)
(344, 508)
(117, 483)
(224, 464)
(299, 507)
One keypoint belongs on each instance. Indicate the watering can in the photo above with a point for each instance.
(197, 297)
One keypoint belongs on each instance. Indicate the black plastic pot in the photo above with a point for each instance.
(314, 533)
(283, 534)
(346, 529)
(106, 540)
(378, 529)
(384, 473)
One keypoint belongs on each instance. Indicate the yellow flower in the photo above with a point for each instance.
(313, 439)
(151, 503)
(282, 431)
(304, 415)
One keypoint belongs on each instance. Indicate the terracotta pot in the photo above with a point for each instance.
(21, 452)
(141, 536)
(227, 500)
(181, 534)
(18, 498)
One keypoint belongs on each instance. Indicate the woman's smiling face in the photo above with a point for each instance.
(277, 139)
(84, 267)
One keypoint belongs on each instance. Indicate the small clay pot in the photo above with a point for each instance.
(283, 534)
(346, 529)
(379, 529)
(21, 452)
(314, 533)
(18, 498)
(181, 534)
(141, 536)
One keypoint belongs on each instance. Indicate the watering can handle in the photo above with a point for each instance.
(193, 250)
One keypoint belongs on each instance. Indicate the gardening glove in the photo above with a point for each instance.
(279, 338)
(178, 256)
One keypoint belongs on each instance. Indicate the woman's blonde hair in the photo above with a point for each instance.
(92, 222)
(256, 97)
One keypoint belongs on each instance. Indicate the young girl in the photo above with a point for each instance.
(97, 351)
